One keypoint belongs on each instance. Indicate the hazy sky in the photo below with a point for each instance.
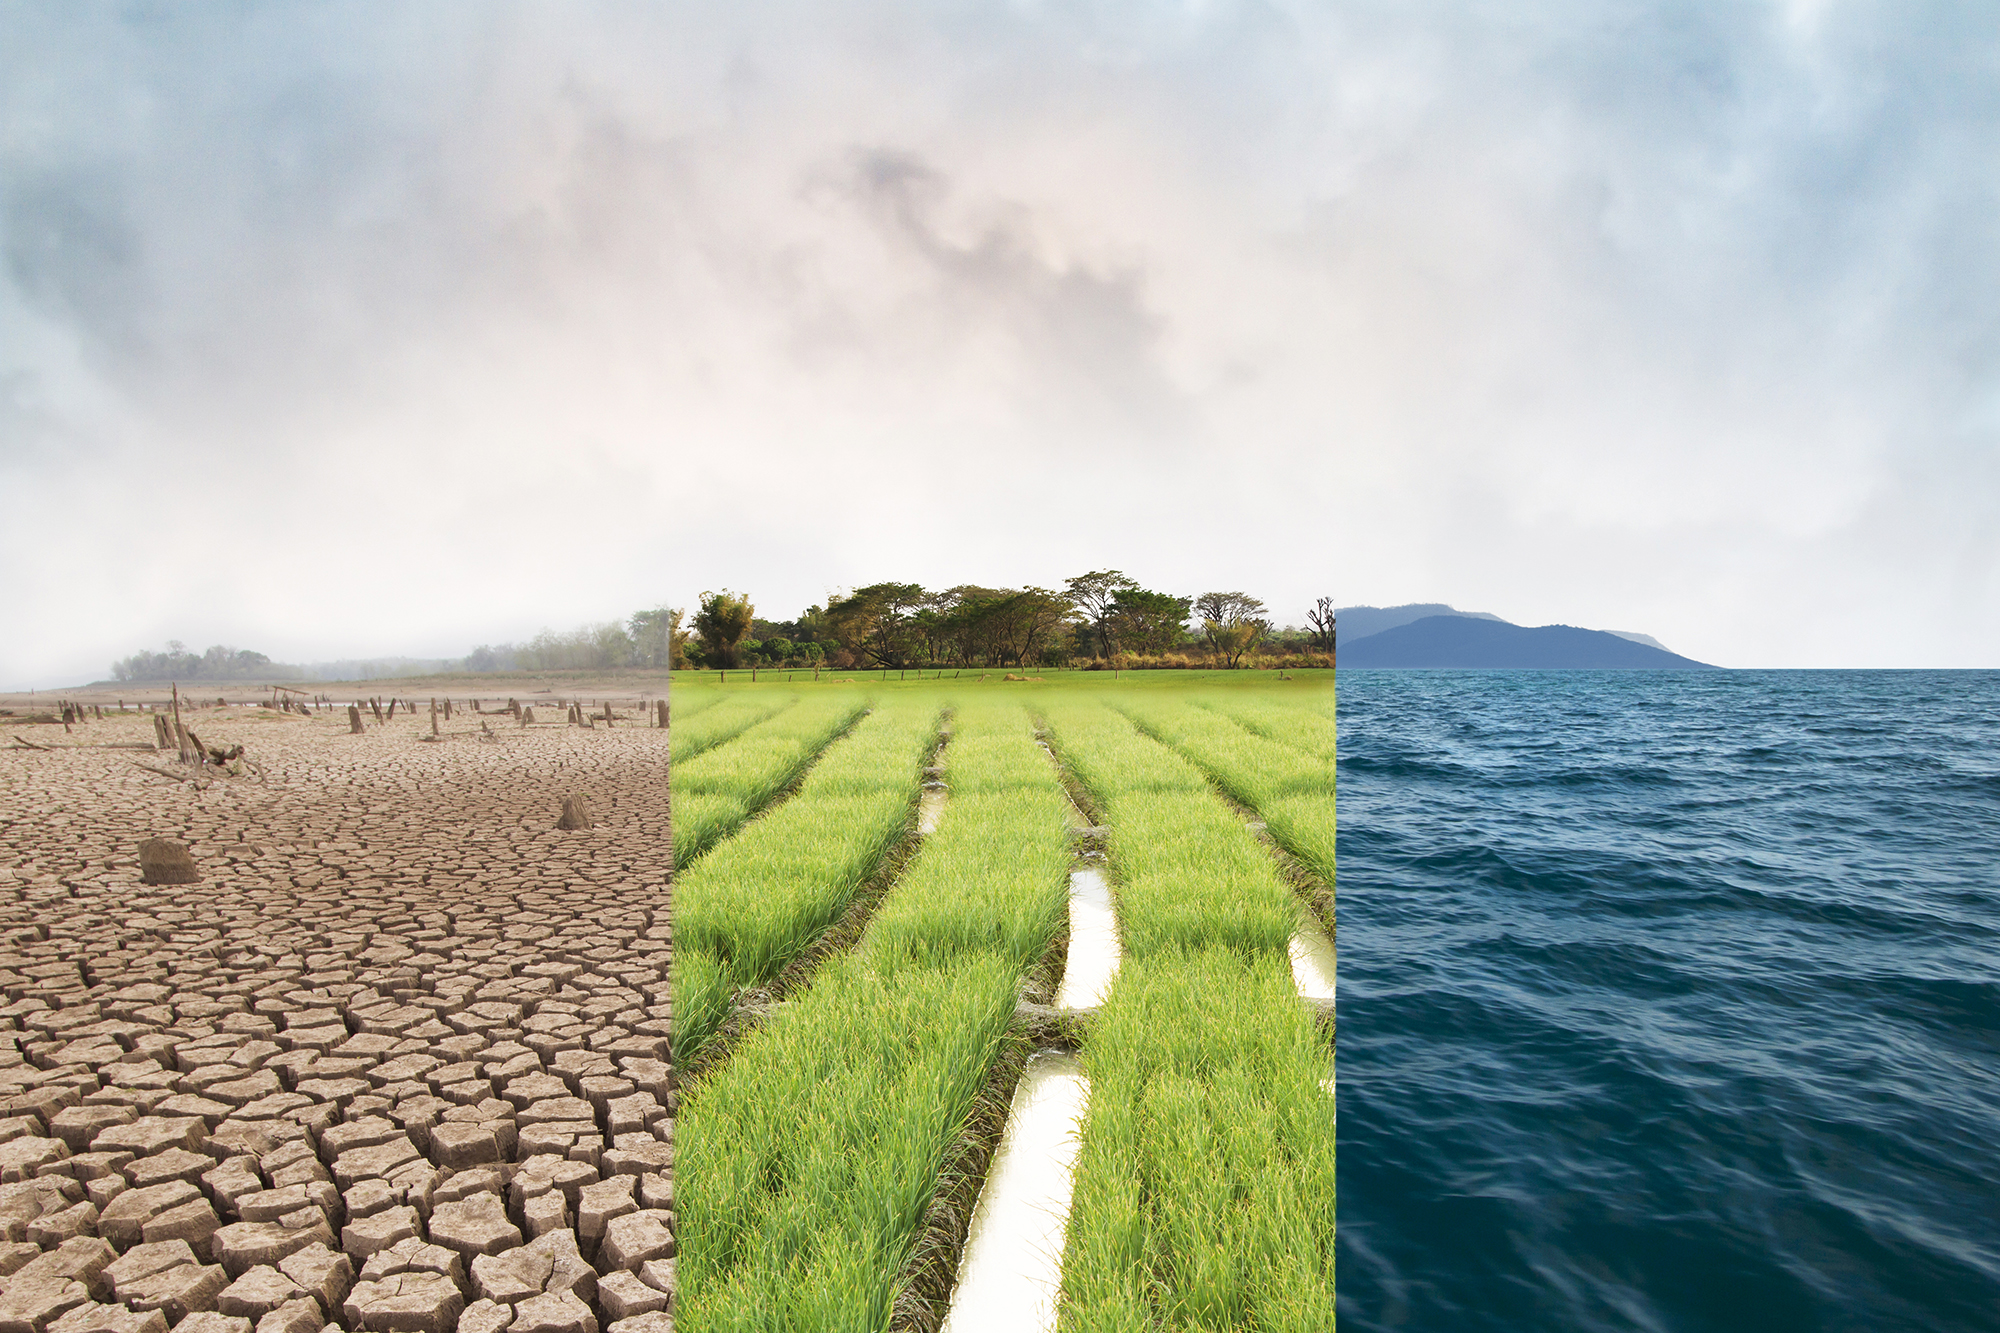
(356, 329)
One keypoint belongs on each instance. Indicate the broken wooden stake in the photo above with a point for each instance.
(180, 732)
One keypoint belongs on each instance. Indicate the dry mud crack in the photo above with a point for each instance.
(399, 1060)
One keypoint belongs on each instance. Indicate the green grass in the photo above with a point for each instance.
(808, 1160)
(1187, 874)
(717, 790)
(1291, 789)
(690, 700)
(750, 906)
(1205, 1185)
(721, 720)
(1304, 724)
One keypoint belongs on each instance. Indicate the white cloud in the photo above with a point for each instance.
(365, 329)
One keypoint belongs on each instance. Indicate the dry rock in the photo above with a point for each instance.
(636, 1237)
(91, 1317)
(378, 1231)
(165, 861)
(404, 1303)
(485, 1317)
(322, 1273)
(561, 1312)
(258, 1292)
(299, 1316)
(474, 1225)
(620, 1295)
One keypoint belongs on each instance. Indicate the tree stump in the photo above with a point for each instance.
(354, 719)
(576, 814)
(527, 716)
(164, 861)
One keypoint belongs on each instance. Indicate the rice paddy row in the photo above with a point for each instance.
(811, 1157)
(1204, 1193)
(758, 900)
(717, 790)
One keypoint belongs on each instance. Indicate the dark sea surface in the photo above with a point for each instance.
(1669, 1000)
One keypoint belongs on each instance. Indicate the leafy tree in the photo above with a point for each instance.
(1095, 594)
(1147, 622)
(1321, 619)
(1231, 622)
(720, 624)
(877, 623)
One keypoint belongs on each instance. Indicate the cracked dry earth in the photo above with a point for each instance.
(397, 1062)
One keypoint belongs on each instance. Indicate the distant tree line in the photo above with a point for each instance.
(218, 663)
(1100, 618)
(641, 641)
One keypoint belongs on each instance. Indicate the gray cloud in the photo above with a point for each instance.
(368, 328)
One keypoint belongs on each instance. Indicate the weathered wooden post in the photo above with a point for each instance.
(354, 719)
(434, 717)
(180, 732)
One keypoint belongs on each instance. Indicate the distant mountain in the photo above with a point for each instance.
(1468, 642)
(1358, 622)
(1637, 637)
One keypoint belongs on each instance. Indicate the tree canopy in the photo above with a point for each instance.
(721, 624)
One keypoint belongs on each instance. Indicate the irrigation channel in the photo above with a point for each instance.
(1005, 1007)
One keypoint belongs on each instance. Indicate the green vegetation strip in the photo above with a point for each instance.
(690, 700)
(806, 1163)
(725, 721)
(1291, 790)
(717, 790)
(1205, 1185)
(752, 905)
(1306, 724)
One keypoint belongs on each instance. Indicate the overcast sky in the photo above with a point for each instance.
(352, 329)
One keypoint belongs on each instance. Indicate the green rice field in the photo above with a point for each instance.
(872, 911)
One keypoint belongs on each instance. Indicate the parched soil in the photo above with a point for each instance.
(399, 1060)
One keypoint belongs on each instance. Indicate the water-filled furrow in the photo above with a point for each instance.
(1093, 942)
(1313, 962)
(1011, 1270)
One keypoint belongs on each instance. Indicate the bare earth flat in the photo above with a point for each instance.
(397, 1061)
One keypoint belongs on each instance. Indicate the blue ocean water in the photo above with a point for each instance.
(1669, 1001)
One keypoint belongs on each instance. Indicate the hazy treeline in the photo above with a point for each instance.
(218, 663)
(1102, 618)
(642, 641)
